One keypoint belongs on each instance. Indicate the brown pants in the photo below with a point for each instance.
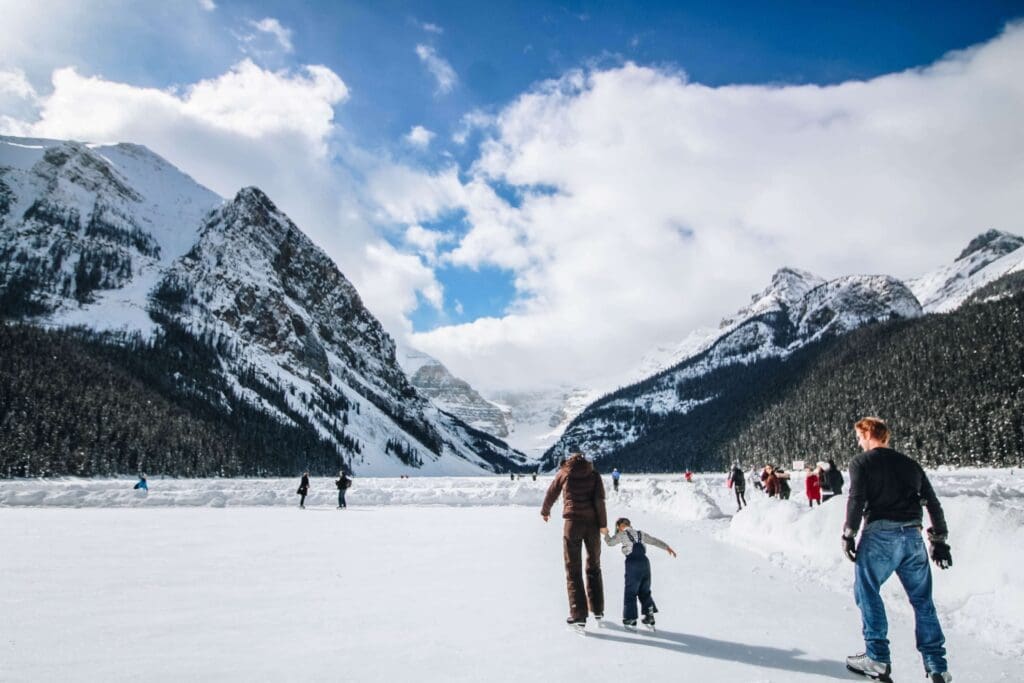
(576, 533)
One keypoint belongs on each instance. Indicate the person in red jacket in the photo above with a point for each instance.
(813, 486)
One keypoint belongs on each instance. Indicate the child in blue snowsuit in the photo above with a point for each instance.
(141, 483)
(638, 570)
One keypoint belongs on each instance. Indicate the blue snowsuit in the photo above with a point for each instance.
(638, 581)
(141, 484)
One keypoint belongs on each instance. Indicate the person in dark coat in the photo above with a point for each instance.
(887, 492)
(303, 490)
(586, 520)
(783, 477)
(835, 478)
(738, 483)
(343, 483)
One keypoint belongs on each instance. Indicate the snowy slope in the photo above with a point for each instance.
(987, 258)
(451, 394)
(538, 418)
(795, 310)
(91, 226)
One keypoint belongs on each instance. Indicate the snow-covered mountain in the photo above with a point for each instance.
(115, 237)
(88, 229)
(988, 257)
(538, 418)
(453, 395)
(796, 309)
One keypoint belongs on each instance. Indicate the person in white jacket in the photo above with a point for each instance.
(638, 570)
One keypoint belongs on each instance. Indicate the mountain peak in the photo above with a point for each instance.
(996, 241)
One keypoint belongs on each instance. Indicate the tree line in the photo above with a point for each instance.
(78, 402)
(950, 385)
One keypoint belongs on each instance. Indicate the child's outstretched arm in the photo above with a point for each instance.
(658, 543)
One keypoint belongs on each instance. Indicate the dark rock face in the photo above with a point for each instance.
(998, 242)
(457, 397)
(63, 247)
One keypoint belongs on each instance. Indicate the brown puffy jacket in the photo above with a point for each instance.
(582, 492)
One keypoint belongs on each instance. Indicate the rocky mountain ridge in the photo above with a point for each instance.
(115, 237)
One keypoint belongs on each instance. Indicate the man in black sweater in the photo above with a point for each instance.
(889, 489)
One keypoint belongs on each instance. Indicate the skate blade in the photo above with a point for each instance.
(578, 629)
(882, 678)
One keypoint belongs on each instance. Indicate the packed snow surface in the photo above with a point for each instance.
(458, 579)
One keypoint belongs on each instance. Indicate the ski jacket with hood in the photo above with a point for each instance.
(582, 492)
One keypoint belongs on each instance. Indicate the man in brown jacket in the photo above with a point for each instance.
(585, 522)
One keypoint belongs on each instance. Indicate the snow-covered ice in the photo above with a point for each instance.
(458, 579)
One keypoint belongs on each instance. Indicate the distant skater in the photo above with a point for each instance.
(585, 521)
(303, 490)
(738, 482)
(615, 478)
(888, 490)
(343, 483)
(141, 483)
(638, 570)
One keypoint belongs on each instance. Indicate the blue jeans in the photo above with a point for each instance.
(885, 548)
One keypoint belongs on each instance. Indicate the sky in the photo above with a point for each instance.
(540, 194)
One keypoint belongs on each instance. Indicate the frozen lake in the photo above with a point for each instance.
(468, 588)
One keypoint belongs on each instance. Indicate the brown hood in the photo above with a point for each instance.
(582, 492)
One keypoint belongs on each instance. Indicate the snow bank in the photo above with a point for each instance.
(980, 595)
(106, 493)
(655, 494)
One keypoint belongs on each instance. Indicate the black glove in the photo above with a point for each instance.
(850, 547)
(941, 556)
(940, 549)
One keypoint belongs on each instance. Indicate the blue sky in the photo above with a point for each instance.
(492, 174)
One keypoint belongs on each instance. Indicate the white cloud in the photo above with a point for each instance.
(392, 283)
(674, 201)
(272, 26)
(18, 101)
(419, 136)
(471, 121)
(432, 28)
(426, 242)
(439, 68)
(208, 5)
(246, 101)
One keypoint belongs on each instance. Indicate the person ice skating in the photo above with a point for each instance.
(688, 476)
(889, 489)
(615, 478)
(756, 478)
(813, 486)
(343, 483)
(534, 476)
(303, 490)
(586, 520)
(141, 484)
(638, 570)
(738, 482)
